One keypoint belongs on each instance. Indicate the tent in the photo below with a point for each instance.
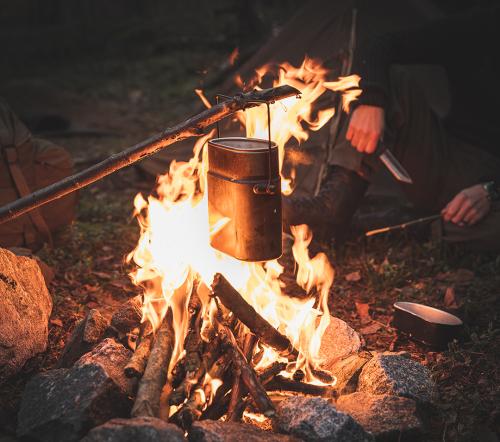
(320, 29)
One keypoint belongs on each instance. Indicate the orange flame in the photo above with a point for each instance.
(173, 254)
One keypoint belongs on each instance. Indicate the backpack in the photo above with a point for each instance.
(28, 164)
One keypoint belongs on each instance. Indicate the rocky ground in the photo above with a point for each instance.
(90, 271)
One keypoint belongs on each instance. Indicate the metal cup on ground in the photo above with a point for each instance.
(425, 324)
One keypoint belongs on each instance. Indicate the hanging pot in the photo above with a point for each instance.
(244, 197)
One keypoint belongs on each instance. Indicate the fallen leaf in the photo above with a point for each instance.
(363, 312)
(102, 275)
(353, 277)
(57, 322)
(370, 329)
(451, 299)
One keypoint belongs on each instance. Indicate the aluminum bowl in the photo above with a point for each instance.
(425, 324)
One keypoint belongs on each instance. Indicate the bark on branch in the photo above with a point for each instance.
(147, 402)
(232, 300)
(191, 127)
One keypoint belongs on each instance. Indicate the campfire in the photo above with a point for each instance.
(219, 345)
(218, 333)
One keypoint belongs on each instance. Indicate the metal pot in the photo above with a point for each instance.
(426, 324)
(244, 195)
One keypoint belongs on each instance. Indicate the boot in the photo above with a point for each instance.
(328, 214)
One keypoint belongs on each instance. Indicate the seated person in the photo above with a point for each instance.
(454, 162)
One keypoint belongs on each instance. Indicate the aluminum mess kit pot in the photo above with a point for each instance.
(425, 324)
(244, 198)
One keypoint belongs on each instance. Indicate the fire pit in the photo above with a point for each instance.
(219, 348)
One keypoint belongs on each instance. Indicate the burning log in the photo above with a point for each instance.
(208, 359)
(192, 408)
(137, 364)
(281, 383)
(248, 376)
(191, 127)
(235, 409)
(270, 372)
(229, 296)
(147, 402)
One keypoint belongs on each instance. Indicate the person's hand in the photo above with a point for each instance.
(365, 128)
(468, 207)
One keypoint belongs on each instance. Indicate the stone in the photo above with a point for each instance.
(389, 373)
(218, 431)
(347, 370)
(315, 419)
(387, 417)
(144, 429)
(64, 404)
(25, 308)
(338, 342)
(128, 315)
(112, 357)
(86, 334)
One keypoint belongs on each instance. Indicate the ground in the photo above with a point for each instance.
(90, 268)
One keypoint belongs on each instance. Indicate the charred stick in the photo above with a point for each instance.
(191, 127)
(231, 299)
(248, 376)
(211, 354)
(267, 375)
(192, 409)
(235, 409)
(139, 359)
(147, 402)
(280, 383)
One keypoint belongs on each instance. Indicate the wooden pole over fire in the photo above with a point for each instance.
(191, 127)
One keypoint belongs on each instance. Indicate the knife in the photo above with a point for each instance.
(394, 166)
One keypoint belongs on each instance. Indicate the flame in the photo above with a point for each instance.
(292, 118)
(173, 256)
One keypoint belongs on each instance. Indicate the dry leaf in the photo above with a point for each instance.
(353, 277)
(102, 275)
(370, 329)
(363, 312)
(450, 298)
(57, 322)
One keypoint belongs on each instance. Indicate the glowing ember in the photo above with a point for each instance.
(173, 256)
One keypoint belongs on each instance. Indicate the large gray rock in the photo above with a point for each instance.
(128, 315)
(217, 431)
(389, 373)
(143, 429)
(315, 419)
(25, 307)
(112, 357)
(387, 417)
(86, 334)
(338, 342)
(63, 404)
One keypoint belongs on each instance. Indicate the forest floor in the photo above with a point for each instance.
(91, 272)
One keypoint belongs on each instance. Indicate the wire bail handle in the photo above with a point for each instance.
(259, 189)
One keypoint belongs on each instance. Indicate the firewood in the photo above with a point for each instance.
(137, 363)
(191, 410)
(139, 359)
(212, 352)
(232, 300)
(281, 383)
(267, 375)
(248, 376)
(147, 402)
(235, 408)
(191, 127)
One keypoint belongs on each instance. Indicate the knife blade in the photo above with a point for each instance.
(395, 167)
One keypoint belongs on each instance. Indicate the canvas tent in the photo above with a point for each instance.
(320, 29)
